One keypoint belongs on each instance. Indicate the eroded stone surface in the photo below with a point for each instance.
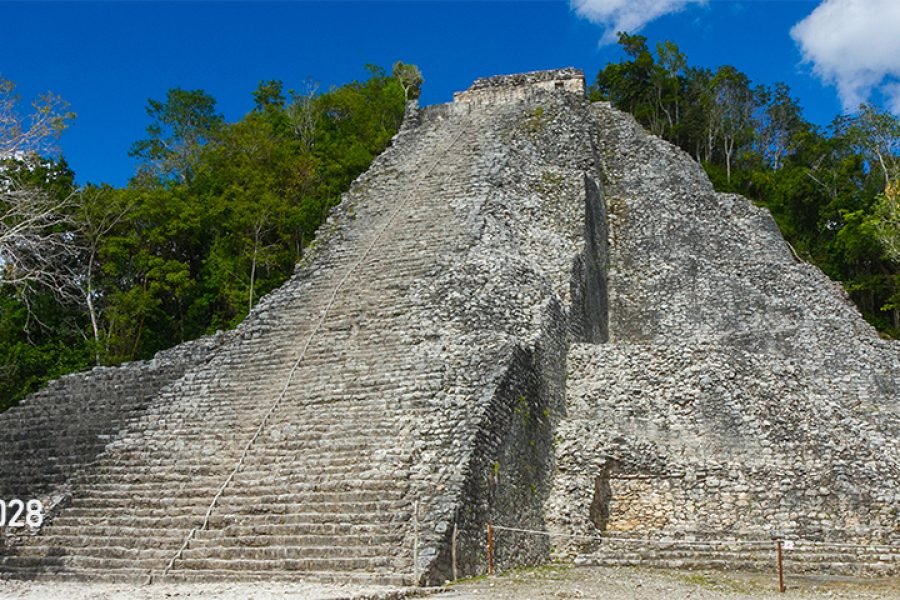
(741, 394)
(527, 312)
(403, 382)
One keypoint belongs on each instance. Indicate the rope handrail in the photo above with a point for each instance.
(319, 324)
(651, 541)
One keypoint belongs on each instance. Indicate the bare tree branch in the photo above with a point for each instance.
(38, 248)
(36, 133)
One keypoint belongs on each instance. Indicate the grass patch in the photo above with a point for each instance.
(553, 571)
(722, 582)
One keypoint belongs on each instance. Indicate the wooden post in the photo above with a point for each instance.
(780, 567)
(490, 548)
(453, 551)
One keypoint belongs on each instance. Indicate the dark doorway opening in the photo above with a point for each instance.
(599, 511)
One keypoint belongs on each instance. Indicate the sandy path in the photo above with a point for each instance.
(17, 590)
(546, 583)
(543, 583)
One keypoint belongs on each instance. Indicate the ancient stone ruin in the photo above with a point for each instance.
(529, 313)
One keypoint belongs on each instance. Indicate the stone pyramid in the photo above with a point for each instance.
(527, 313)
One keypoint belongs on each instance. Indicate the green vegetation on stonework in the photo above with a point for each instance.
(720, 582)
(835, 193)
(217, 216)
(535, 121)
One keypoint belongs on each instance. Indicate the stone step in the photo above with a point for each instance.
(100, 532)
(121, 520)
(258, 495)
(346, 463)
(289, 504)
(381, 563)
(225, 538)
(78, 562)
(276, 552)
(101, 549)
(201, 551)
(58, 573)
(387, 577)
(366, 399)
(137, 492)
(84, 514)
(331, 480)
(277, 530)
(178, 520)
(248, 506)
(294, 448)
(366, 500)
(153, 539)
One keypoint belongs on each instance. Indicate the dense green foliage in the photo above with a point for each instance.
(217, 216)
(834, 193)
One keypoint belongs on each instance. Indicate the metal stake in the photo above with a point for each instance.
(780, 567)
(490, 548)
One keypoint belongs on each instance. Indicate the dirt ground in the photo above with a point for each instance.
(594, 583)
(17, 590)
(542, 583)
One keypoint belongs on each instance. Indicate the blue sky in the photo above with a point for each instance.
(108, 58)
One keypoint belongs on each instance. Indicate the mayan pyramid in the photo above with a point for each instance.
(528, 312)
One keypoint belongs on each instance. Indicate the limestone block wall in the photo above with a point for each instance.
(404, 381)
(502, 89)
(60, 430)
(741, 394)
(710, 440)
(524, 287)
(510, 463)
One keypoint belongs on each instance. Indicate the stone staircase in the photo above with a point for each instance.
(304, 422)
(46, 440)
(401, 384)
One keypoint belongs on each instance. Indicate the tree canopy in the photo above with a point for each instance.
(217, 216)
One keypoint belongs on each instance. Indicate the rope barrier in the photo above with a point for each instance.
(240, 462)
(687, 543)
(780, 543)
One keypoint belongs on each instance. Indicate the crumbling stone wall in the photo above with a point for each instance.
(740, 396)
(59, 431)
(403, 382)
(527, 284)
(509, 89)
(484, 333)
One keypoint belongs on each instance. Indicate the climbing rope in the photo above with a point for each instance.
(240, 462)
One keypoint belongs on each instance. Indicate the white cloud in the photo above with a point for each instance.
(626, 15)
(854, 45)
(892, 91)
